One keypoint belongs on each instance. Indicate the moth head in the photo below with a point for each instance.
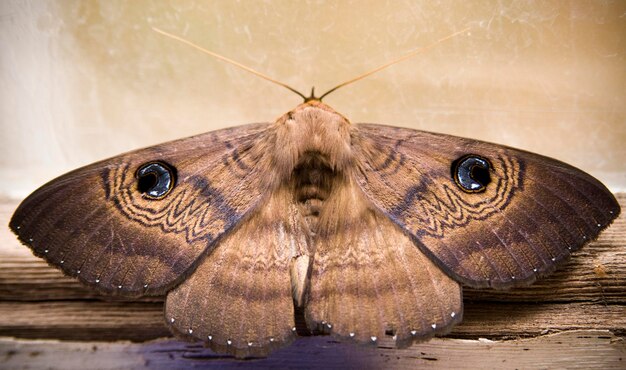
(471, 173)
(155, 179)
(313, 127)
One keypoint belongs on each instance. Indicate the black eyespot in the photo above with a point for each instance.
(155, 179)
(471, 173)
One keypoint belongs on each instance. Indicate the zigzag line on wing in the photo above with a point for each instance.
(189, 211)
(265, 260)
(452, 210)
(189, 221)
(191, 217)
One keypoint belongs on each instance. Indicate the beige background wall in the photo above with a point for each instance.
(80, 81)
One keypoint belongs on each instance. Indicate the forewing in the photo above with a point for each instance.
(95, 223)
(239, 299)
(533, 213)
(369, 279)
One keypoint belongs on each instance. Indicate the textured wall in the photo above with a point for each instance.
(81, 81)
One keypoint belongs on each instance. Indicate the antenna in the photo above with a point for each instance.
(398, 60)
(230, 61)
(312, 97)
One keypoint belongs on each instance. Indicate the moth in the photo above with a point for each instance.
(365, 230)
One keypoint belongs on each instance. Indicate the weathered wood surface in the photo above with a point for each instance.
(583, 350)
(588, 293)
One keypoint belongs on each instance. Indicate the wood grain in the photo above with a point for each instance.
(587, 293)
(583, 350)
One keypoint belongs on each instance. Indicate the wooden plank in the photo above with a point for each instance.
(586, 350)
(140, 321)
(596, 273)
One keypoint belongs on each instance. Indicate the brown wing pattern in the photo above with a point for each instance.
(533, 214)
(239, 299)
(369, 280)
(95, 224)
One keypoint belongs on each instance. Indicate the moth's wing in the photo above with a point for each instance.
(239, 299)
(96, 225)
(369, 280)
(533, 213)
